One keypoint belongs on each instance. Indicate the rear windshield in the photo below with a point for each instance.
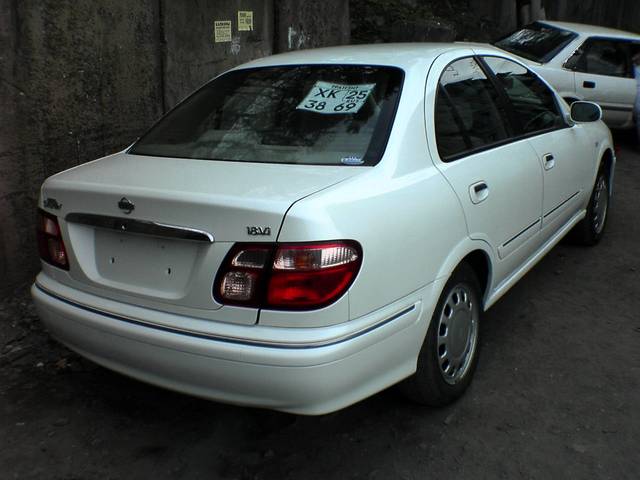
(310, 114)
(537, 42)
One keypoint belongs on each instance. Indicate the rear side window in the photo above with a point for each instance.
(468, 114)
(306, 114)
(537, 42)
(534, 103)
(600, 56)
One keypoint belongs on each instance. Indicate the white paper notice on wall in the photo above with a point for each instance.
(222, 31)
(336, 98)
(245, 21)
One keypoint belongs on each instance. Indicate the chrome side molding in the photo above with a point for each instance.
(140, 227)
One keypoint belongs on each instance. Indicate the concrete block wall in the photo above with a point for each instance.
(192, 56)
(622, 14)
(80, 79)
(304, 24)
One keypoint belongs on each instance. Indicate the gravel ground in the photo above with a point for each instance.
(556, 395)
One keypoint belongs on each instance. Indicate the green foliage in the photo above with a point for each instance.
(372, 20)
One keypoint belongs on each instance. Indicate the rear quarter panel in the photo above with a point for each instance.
(402, 211)
(407, 227)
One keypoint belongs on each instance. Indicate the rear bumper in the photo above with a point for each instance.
(307, 377)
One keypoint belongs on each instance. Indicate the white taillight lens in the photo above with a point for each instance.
(302, 258)
(238, 286)
(56, 251)
(288, 276)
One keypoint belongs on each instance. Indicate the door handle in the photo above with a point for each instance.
(548, 161)
(589, 84)
(478, 192)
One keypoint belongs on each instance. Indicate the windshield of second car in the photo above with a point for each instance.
(309, 114)
(537, 42)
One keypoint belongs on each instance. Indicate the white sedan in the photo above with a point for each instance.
(582, 62)
(311, 228)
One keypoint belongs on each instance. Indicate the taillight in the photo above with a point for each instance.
(50, 244)
(287, 276)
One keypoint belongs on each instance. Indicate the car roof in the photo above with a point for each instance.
(591, 30)
(403, 55)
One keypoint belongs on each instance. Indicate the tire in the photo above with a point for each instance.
(447, 360)
(591, 228)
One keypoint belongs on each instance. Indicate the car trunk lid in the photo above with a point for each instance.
(153, 231)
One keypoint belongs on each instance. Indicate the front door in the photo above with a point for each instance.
(564, 152)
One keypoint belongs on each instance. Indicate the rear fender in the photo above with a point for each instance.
(460, 251)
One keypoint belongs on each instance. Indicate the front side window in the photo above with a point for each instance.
(534, 103)
(308, 114)
(600, 56)
(537, 42)
(468, 114)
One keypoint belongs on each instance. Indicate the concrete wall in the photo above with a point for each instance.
(309, 24)
(80, 79)
(623, 14)
(192, 56)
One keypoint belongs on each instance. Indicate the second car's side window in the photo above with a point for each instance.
(468, 114)
(600, 56)
(534, 103)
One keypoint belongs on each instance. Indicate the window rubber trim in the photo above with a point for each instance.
(458, 118)
(381, 148)
(516, 133)
(629, 62)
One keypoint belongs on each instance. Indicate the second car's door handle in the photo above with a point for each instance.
(548, 161)
(479, 192)
(588, 84)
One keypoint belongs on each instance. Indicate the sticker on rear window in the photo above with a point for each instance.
(352, 160)
(335, 98)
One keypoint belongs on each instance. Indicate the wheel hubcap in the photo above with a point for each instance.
(457, 334)
(600, 204)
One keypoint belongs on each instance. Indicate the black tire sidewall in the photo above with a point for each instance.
(431, 387)
(591, 235)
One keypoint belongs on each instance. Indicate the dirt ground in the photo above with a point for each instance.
(556, 395)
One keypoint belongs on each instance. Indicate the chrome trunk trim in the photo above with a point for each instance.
(140, 227)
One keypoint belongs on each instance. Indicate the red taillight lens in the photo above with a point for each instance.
(50, 244)
(288, 276)
(311, 276)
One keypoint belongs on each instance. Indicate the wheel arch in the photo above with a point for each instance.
(607, 160)
(477, 254)
(481, 265)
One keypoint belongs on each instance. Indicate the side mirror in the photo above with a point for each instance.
(585, 112)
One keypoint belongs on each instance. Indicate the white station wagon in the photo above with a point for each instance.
(310, 228)
(582, 62)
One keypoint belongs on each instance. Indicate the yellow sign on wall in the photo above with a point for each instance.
(245, 21)
(222, 31)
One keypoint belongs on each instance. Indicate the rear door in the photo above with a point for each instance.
(498, 180)
(604, 74)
